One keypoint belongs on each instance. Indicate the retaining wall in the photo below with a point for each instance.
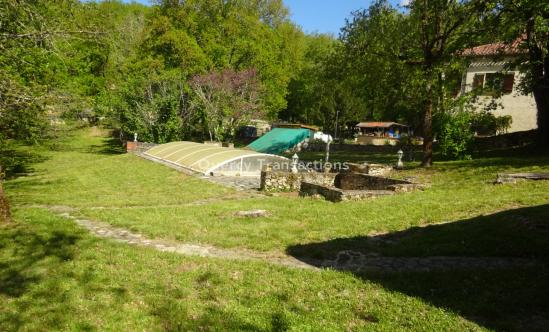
(317, 147)
(287, 181)
(138, 147)
(357, 181)
(339, 195)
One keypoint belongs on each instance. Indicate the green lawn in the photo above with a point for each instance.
(53, 275)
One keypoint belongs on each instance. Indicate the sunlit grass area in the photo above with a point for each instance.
(54, 275)
(88, 170)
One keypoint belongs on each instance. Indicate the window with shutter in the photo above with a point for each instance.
(508, 82)
(478, 81)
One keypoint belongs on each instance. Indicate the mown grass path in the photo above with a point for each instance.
(347, 260)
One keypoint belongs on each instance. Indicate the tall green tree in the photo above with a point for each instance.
(199, 36)
(370, 60)
(438, 30)
(307, 98)
(528, 21)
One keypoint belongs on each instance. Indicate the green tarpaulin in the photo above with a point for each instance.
(279, 140)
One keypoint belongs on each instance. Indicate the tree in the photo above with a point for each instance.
(53, 61)
(528, 21)
(308, 91)
(226, 100)
(437, 31)
(372, 69)
(200, 36)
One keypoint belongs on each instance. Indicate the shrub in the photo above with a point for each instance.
(485, 123)
(455, 135)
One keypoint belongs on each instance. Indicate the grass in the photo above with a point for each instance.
(54, 276)
(85, 170)
(459, 191)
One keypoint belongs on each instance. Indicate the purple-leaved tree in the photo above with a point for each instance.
(226, 100)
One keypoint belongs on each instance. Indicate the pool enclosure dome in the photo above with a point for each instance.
(211, 159)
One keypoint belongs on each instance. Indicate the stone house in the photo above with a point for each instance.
(487, 72)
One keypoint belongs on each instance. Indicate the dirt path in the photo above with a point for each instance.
(346, 260)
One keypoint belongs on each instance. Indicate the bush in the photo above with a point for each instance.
(455, 135)
(485, 123)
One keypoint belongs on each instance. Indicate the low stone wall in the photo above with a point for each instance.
(506, 141)
(138, 147)
(370, 169)
(338, 195)
(317, 147)
(4, 206)
(356, 186)
(287, 181)
(317, 191)
(357, 181)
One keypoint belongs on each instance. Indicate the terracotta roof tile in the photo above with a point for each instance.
(494, 49)
(378, 124)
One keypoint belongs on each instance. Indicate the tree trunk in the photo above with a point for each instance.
(541, 95)
(428, 130)
(540, 74)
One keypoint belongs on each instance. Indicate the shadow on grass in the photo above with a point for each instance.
(508, 299)
(31, 249)
(16, 163)
(28, 260)
(110, 146)
(510, 158)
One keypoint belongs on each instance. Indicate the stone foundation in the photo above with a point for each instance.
(286, 181)
(357, 181)
(513, 177)
(371, 169)
(356, 186)
(338, 195)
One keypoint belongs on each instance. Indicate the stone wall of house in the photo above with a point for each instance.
(4, 206)
(287, 181)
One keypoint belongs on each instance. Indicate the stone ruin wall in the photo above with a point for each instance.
(357, 181)
(272, 181)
